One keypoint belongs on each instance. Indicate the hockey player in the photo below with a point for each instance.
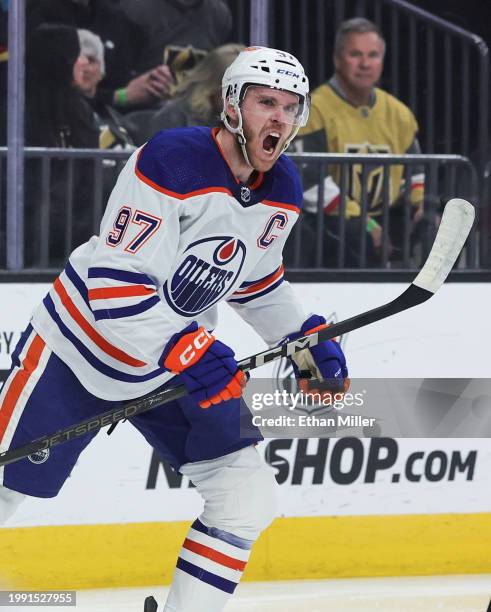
(197, 216)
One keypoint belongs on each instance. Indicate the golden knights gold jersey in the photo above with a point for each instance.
(336, 126)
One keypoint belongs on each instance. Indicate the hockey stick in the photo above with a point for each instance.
(455, 226)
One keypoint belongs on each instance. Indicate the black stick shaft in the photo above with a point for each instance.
(411, 297)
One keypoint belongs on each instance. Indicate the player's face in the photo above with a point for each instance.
(269, 116)
(360, 61)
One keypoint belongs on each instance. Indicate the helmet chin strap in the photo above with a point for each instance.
(239, 131)
(241, 139)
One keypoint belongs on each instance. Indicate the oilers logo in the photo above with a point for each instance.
(206, 272)
(39, 457)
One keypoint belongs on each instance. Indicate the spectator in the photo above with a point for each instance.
(57, 115)
(198, 97)
(124, 86)
(203, 24)
(89, 71)
(351, 115)
(91, 65)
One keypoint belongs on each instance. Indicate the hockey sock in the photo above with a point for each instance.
(208, 569)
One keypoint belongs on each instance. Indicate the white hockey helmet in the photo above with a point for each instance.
(268, 68)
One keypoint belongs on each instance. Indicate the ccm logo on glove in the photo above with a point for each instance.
(207, 366)
(189, 353)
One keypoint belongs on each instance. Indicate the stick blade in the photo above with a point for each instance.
(457, 219)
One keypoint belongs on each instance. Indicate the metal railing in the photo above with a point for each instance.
(64, 189)
(485, 251)
(440, 70)
(67, 190)
(446, 176)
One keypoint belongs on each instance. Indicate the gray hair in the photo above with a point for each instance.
(91, 45)
(357, 25)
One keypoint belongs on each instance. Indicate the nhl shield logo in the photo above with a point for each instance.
(245, 194)
(206, 272)
(39, 457)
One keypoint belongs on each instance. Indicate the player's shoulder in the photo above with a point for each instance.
(287, 186)
(181, 161)
(394, 106)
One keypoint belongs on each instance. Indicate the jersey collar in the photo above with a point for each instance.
(336, 87)
(245, 194)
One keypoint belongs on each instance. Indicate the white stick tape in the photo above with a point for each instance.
(455, 226)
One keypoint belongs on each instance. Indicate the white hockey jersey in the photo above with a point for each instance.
(179, 234)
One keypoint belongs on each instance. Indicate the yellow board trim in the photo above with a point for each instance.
(138, 554)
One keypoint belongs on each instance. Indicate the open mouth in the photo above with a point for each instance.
(271, 142)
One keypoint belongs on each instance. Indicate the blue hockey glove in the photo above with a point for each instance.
(207, 366)
(325, 362)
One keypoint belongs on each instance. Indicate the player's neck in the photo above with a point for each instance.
(355, 96)
(233, 155)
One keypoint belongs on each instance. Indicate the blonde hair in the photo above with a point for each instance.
(203, 83)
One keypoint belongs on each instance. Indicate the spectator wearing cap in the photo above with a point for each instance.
(90, 65)
(124, 85)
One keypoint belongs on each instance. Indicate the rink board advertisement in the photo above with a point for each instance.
(386, 493)
(127, 482)
(421, 342)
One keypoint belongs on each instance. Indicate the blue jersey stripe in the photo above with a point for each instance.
(259, 280)
(125, 311)
(198, 525)
(121, 275)
(77, 282)
(224, 536)
(244, 300)
(15, 357)
(201, 574)
(94, 361)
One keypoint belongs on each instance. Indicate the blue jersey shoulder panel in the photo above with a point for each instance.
(183, 160)
(287, 186)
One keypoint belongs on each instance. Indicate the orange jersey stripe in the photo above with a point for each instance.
(21, 378)
(281, 205)
(214, 555)
(259, 181)
(263, 283)
(94, 335)
(118, 292)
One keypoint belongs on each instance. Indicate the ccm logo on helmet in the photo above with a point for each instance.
(288, 73)
(200, 341)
